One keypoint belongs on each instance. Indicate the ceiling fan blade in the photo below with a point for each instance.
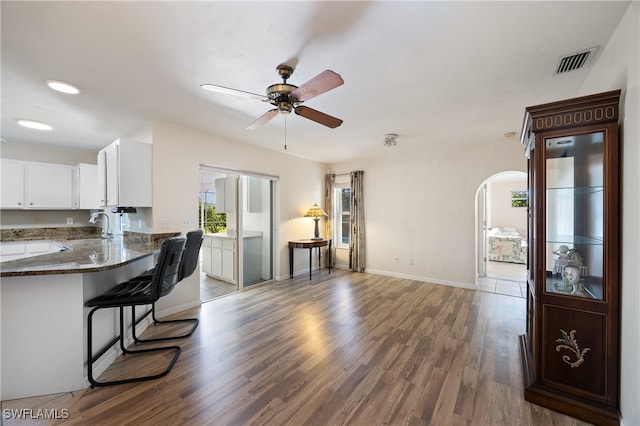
(263, 119)
(318, 117)
(319, 84)
(230, 91)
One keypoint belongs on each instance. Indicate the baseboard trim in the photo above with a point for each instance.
(422, 279)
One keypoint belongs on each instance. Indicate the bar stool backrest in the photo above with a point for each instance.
(190, 256)
(165, 275)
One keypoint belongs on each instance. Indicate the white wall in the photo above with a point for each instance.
(500, 212)
(177, 153)
(421, 206)
(34, 151)
(618, 68)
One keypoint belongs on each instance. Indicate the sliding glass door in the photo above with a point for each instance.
(257, 229)
(236, 214)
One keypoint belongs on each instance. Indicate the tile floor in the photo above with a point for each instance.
(504, 278)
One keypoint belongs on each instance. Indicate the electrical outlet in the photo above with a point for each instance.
(69, 221)
(186, 222)
(411, 261)
(164, 223)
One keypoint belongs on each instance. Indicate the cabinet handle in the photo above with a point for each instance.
(31, 203)
(19, 203)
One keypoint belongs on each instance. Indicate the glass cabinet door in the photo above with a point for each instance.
(575, 215)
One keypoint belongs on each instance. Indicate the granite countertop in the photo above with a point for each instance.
(84, 255)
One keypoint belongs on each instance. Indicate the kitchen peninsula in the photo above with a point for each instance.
(43, 317)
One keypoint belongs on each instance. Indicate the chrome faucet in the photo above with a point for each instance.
(94, 217)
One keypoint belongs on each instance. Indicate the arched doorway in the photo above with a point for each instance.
(501, 231)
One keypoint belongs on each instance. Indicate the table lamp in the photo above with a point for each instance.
(315, 212)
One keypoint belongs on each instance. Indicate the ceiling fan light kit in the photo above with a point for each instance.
(286, 97)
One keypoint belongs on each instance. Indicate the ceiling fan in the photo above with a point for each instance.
(287, 97)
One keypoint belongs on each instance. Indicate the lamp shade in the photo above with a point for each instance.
(315, 211)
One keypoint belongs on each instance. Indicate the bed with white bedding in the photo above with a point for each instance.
(507, 245)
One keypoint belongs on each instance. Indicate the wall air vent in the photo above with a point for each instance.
(575, 61)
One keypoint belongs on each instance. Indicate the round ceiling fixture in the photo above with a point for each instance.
(32, 124)
(61, 86)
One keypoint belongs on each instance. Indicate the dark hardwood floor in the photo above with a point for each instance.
(344, 348)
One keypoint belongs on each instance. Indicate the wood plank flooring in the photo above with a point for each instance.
(343, 349)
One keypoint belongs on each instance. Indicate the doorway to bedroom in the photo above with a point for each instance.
(501, 230)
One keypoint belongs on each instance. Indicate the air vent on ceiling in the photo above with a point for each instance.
(575, 61)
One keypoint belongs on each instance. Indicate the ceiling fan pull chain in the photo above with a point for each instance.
(285, 132)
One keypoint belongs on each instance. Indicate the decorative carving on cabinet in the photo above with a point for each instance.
(568, 341)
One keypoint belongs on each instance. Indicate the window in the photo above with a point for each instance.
(210, 221)
(518, 198)
(342, 212)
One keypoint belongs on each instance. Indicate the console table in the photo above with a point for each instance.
(309, 244)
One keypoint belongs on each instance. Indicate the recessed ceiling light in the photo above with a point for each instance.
(63, 87)
(31, 124)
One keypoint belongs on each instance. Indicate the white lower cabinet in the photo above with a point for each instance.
(219, 256)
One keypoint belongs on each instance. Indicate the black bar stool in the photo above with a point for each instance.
(187, 267)
(132, 293)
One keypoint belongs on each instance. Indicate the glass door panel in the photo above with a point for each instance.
(575, 215)
(257, 226)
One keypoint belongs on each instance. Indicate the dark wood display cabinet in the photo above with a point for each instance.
(570, 350)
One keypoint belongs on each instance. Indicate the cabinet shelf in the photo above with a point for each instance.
(575, 240)
(578, 190)
(588, 288)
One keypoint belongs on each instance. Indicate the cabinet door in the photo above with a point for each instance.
(108, 175)
(575, 215)
(88, 187)
(216, 262)
(226, 194)
(206, 257)
(254, 194)
(227, 265)
(135, 174)
(12, 185)
(49, 186)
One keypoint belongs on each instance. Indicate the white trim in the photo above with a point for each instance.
(210, 168)
(422, 279)
(175, 309)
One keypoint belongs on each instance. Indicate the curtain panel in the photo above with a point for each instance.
(329, 186)
(357, 253)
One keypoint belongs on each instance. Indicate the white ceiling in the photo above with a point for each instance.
(432, 72)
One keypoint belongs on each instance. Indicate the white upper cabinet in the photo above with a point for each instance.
(108, 175)
(87, 187)
(49, 186)
(124, 174)
(226, 194)
(12, 185)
